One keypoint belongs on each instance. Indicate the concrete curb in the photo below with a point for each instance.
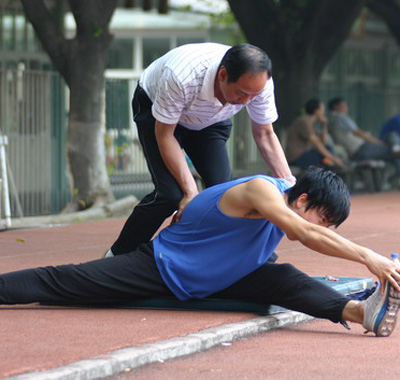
(130, 358)
(120, 207)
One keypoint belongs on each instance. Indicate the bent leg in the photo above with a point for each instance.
(286, 286)
(207, 150)
(372, 151)
(124, 277)
(308, 158)
(150, 213)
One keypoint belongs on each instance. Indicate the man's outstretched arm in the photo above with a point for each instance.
(259, 198)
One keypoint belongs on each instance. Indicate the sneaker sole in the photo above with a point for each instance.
(387, 318)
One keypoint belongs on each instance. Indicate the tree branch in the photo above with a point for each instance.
(261, 19)
(92, 16)
(330, 36)
(49, 35)
(389, 10)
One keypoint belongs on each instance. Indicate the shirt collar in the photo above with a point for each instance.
(207, 90)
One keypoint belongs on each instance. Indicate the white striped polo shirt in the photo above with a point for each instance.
(181, 86)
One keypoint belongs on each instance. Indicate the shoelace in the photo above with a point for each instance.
(345, 325)
(361, 296)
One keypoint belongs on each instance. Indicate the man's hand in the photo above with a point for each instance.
(182, 204)
(291, 179)
(384, 269)
(271, 149)
(338, 162)
(175, 161)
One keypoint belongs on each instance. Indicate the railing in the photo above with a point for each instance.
(33, 113)
(28, 120)
(125, 161)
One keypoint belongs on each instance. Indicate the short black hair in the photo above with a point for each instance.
(326, 191)
(334, 102)
(243, 58)
(312, 105)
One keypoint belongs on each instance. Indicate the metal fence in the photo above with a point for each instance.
(33, 113)
(125, 161)
(29, 102)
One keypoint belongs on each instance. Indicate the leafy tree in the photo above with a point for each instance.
(389, 10)
(81, 61)
(301, 37)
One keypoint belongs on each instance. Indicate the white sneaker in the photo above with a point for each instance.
(108, 253)
(396, 149)
(380, 311)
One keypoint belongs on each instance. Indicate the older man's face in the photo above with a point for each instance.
(243, 90)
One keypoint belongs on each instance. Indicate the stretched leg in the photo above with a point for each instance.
(308, 158)
(284, 285)
(371, 151)
(125, 277)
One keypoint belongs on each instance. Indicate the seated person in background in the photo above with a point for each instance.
(390, 133)
(359, 145)
(305, 147)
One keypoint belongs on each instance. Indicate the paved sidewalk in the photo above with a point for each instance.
(75, 343)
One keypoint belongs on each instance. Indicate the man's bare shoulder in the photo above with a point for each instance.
(242, 200)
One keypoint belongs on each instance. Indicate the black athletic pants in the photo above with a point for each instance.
(135, 275)
(206, 149)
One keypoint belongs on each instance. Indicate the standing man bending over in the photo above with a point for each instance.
(185, 99)
(220, 249)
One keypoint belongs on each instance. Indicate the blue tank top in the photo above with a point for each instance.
(207, 251)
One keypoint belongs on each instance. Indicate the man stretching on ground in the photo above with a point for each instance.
(220, 249)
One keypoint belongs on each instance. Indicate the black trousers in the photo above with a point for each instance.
(135, 275)
(206, 149)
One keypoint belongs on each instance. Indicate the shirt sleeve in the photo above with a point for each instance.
(345, 123)
(305, 129)
(262, 108)
(169, 100)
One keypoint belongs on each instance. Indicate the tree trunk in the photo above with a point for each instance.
(294, 88)
(389, 10)
(300, 37)
(86, 125)
(81, 61)
(147, 5)
(163, 7)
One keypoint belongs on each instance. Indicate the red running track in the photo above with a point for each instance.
(38, 338)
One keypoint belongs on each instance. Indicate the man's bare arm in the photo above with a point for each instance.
(367, 136)
(271, 150)
(317, 143)
(259, 198)
(175, 161)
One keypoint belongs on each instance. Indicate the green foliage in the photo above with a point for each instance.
(98, 32)
(224, 19)
(298, 15)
